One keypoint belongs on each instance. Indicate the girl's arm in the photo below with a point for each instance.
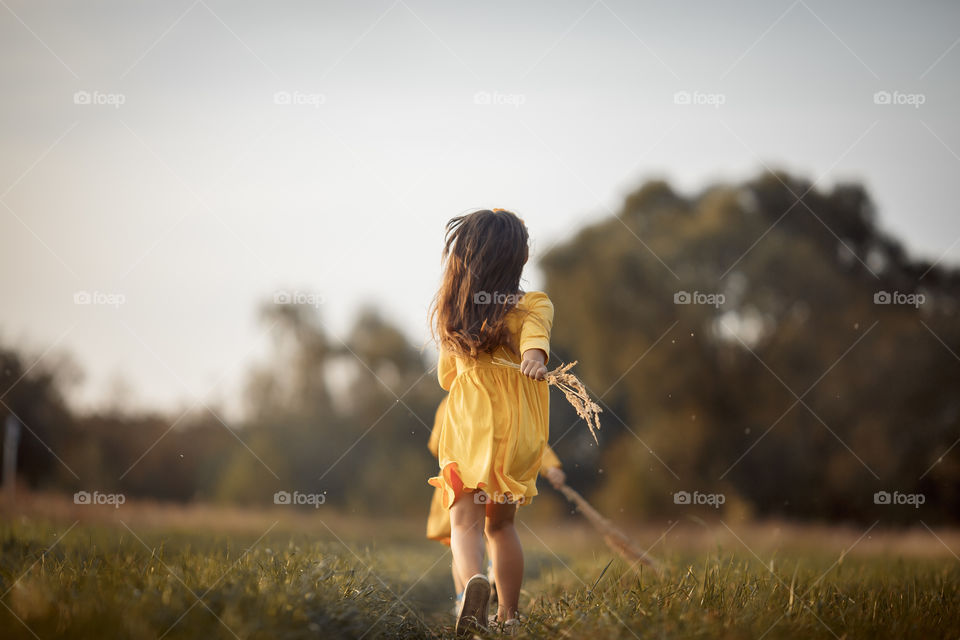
(535, 335)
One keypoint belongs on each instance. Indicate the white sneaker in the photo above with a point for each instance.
(506, 628)
(473, 608)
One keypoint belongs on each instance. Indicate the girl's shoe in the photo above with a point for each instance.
(473, 609)
(507, 627)
(510, 627)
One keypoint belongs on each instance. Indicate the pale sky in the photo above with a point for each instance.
(194, 157)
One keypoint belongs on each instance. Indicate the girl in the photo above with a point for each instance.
(495, 419)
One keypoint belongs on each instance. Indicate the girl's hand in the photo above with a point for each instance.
(556, 476)
(533, 364)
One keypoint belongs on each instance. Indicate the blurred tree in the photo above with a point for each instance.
(295, 379)
(705, 396)
(351, 440)
(32, 389)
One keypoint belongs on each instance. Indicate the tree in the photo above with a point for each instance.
(774, 286)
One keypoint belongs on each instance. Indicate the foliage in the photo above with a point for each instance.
(797, 394)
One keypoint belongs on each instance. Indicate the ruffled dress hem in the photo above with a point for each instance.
(452, 485)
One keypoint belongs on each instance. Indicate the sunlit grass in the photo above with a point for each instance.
(105, 580)
(732, 596)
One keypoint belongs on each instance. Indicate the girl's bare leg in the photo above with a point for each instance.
(466, 536)
(507, 557)
(457, 582)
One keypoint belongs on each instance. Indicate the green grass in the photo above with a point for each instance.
(104, 581)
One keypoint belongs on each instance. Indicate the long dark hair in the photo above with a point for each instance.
(483, 256)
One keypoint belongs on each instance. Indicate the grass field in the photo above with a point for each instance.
(156, 572)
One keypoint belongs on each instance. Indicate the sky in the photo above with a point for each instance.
(167, 166)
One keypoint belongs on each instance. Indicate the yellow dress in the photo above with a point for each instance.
(496, 420)
(438, 521)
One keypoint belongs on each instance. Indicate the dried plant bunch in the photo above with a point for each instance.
(573, 390)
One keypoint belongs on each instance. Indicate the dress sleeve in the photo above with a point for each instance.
(446, 369)
(535, 331)
(549, 459)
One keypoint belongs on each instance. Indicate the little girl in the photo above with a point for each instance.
(496, 418)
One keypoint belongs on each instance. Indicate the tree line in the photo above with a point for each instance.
(765, 341)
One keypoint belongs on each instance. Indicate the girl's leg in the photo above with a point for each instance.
(457, 581)
(466, 536)
(507, 557)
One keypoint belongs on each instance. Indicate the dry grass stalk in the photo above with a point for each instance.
(573, 390)
(614, 537)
